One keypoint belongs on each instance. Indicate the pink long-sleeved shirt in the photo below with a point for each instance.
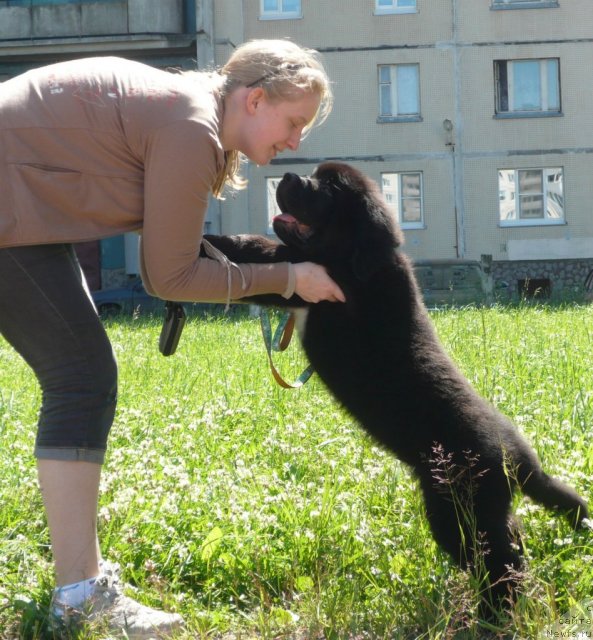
(100, 146)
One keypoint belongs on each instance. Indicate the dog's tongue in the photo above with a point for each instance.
(285, 217)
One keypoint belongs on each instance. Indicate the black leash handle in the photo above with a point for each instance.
(172, 327)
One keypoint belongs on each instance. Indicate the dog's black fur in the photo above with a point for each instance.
(380, 357)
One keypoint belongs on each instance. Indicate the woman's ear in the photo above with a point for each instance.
(253, 99)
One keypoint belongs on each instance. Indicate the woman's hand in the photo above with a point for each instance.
(313, 284)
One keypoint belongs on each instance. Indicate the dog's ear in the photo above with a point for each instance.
(377, 237)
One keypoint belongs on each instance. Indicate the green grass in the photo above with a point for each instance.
(260, 512)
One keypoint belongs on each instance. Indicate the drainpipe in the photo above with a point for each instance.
(457, 147)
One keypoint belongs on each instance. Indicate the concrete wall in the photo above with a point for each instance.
(155, 16)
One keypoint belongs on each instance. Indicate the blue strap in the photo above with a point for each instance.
(279, 341)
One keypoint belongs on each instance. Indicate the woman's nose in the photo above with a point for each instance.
(294, 140)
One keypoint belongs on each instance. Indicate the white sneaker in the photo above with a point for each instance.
(110, 608)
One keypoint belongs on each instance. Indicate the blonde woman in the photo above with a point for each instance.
(101, 146)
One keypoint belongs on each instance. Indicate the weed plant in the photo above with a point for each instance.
(258, 512)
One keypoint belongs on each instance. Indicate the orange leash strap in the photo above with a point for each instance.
(279, 342)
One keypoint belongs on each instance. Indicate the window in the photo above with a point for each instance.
(399, 92)
(531, 196)
(280, 9)
(527, 87)
(384, 7)
(523, 4)
(272, 205)
(403, 192)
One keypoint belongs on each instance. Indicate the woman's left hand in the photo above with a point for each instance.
(313, 284)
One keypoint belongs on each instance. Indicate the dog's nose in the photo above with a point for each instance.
(291, 178)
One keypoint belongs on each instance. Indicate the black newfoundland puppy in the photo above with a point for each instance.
(380, 357)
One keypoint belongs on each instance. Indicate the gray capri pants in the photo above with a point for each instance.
(48, 316)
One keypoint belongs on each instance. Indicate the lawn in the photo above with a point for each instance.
(259, 512)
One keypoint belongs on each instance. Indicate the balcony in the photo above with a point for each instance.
(63, 27)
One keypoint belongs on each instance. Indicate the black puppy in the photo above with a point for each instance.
(380, 357)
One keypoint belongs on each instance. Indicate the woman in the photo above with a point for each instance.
(96, 147)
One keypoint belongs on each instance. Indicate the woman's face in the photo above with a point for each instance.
(273, 126)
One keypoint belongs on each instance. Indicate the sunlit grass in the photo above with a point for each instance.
(260, 512)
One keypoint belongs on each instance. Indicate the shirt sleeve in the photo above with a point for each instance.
(180, 167)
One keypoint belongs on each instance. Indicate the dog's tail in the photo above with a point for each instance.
(554, 494)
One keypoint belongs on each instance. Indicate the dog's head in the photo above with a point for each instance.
(338, 215)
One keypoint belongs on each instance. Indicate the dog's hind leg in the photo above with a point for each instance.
(478, 537)
(502, 563)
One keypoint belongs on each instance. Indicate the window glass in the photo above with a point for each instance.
(384, 73)
(552, 83)
(411, 212)
(273, 208)
(531, 196)
(526, 85)
(386, 109)
(554, 194)
(403, 193)
(407, 89)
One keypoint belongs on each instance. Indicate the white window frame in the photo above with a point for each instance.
(280, 13)
(393, 90)
(395, 198)
(271, 205)
(395, 7)
(514, 200)
(544, 107)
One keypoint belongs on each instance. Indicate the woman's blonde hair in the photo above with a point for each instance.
(283, 70)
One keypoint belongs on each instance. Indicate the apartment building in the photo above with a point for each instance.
(473, 115)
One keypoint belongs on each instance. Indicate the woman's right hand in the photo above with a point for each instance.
(313, 284)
